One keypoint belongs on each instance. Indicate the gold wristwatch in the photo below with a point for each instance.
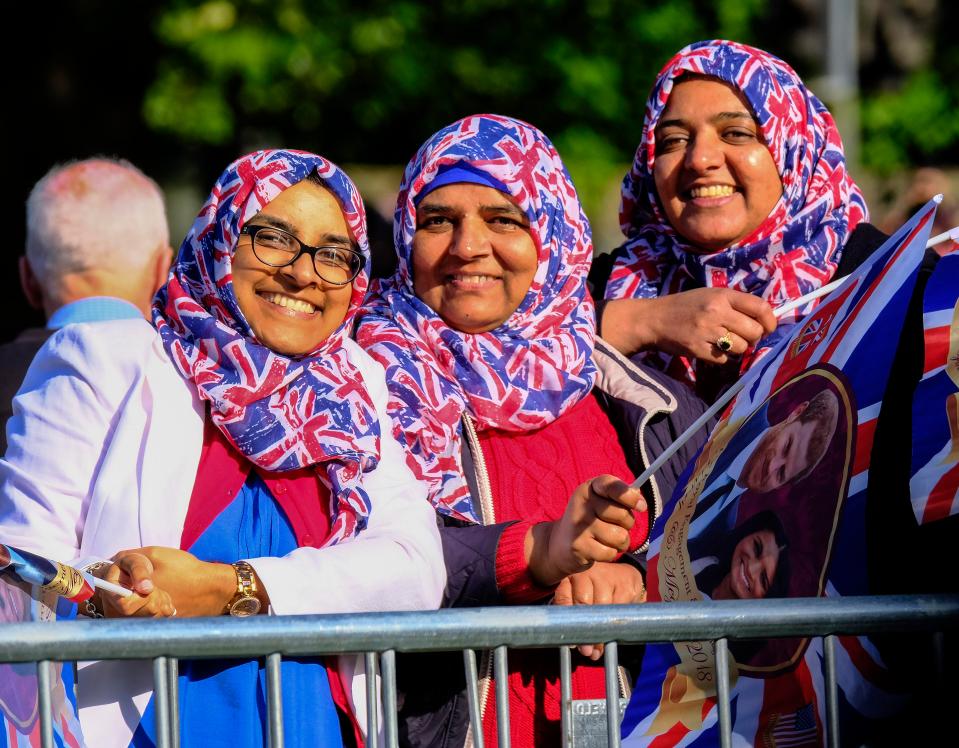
(245, 602)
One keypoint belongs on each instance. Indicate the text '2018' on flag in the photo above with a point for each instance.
(775, 506)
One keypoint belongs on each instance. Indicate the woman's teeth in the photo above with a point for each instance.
(289, 303)
(713, 190)
(476, 280)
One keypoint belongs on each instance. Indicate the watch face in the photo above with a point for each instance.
(245, 606)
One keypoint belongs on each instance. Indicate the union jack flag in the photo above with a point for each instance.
(28, 568)
(23, 602)
(815, 542)
(934, 485)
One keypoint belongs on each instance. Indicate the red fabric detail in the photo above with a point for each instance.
(338, 690)
(532, 474)
(512, 574)
(219, 477)
(223, 471)
(534, 695)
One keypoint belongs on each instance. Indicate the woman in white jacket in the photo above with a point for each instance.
(241, 449)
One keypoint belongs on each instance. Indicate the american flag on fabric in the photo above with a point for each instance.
(529, 370)
(934, 482)
(774, 506)
(796, 249)
(23, 602)
(282, 413)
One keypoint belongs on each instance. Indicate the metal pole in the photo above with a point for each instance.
(832, 692)
(372, 701)
(161, 701)
(44, 702)
(722, 694)
(274, 699)
(472, 697)
(842, 73)
(173, 676)
(611, 663)
(501, 676)
(388, 670)
(566, 691)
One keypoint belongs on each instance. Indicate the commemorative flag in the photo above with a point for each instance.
(63, 580)
(774, 506)
(934, 482)
(22, 602)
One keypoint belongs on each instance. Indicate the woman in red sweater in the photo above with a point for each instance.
(487, 331)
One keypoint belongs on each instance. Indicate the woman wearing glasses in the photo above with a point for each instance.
(241, 448)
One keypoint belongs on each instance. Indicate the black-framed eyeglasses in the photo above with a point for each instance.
(277, 248)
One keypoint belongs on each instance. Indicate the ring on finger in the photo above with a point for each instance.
(724, 342)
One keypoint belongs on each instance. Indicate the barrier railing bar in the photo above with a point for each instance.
(566, 696)
(44, 668)
(472, 697)
(388, 678)
(501, 677)
(372, 702)
(611, 663)
(161, 701)
(274, 699)
(532, 626)
(173, 676)
(832, 692)
(722, 693)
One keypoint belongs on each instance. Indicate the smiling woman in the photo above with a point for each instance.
(240, 449)
(289, 306)
(505, 402)
(737, 202)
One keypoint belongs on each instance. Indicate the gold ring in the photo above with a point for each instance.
(724, 343)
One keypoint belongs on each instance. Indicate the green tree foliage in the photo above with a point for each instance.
(374, 78)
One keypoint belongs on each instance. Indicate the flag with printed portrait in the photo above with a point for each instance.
(774, 506)
(22, 602)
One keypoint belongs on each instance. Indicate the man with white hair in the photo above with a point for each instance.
(97, 249)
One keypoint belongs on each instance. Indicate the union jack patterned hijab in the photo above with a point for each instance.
(518, 377)
(797, 248)
(282, 413)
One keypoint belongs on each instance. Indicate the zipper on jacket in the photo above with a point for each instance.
(487, 517)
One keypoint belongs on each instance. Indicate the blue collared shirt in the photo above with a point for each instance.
(93, 309)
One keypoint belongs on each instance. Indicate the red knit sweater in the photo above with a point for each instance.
(532, 475)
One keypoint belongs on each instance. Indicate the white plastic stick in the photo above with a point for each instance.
(721, 403)
(952, 234)
(116, 589)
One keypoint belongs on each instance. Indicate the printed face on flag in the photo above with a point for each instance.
(749, 531)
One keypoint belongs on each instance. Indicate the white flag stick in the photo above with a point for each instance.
(729, 394)
(952, 234)
(715, 408)
(116, 589)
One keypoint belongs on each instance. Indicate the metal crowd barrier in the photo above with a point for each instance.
(385, 634)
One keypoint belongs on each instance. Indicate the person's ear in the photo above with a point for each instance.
(30, 285)
(161, 267)
(797, 411)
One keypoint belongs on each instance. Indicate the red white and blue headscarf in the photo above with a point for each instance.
(525, 373)
(797, 248)
(282, 413)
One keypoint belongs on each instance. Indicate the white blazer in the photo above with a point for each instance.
(103, 449)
